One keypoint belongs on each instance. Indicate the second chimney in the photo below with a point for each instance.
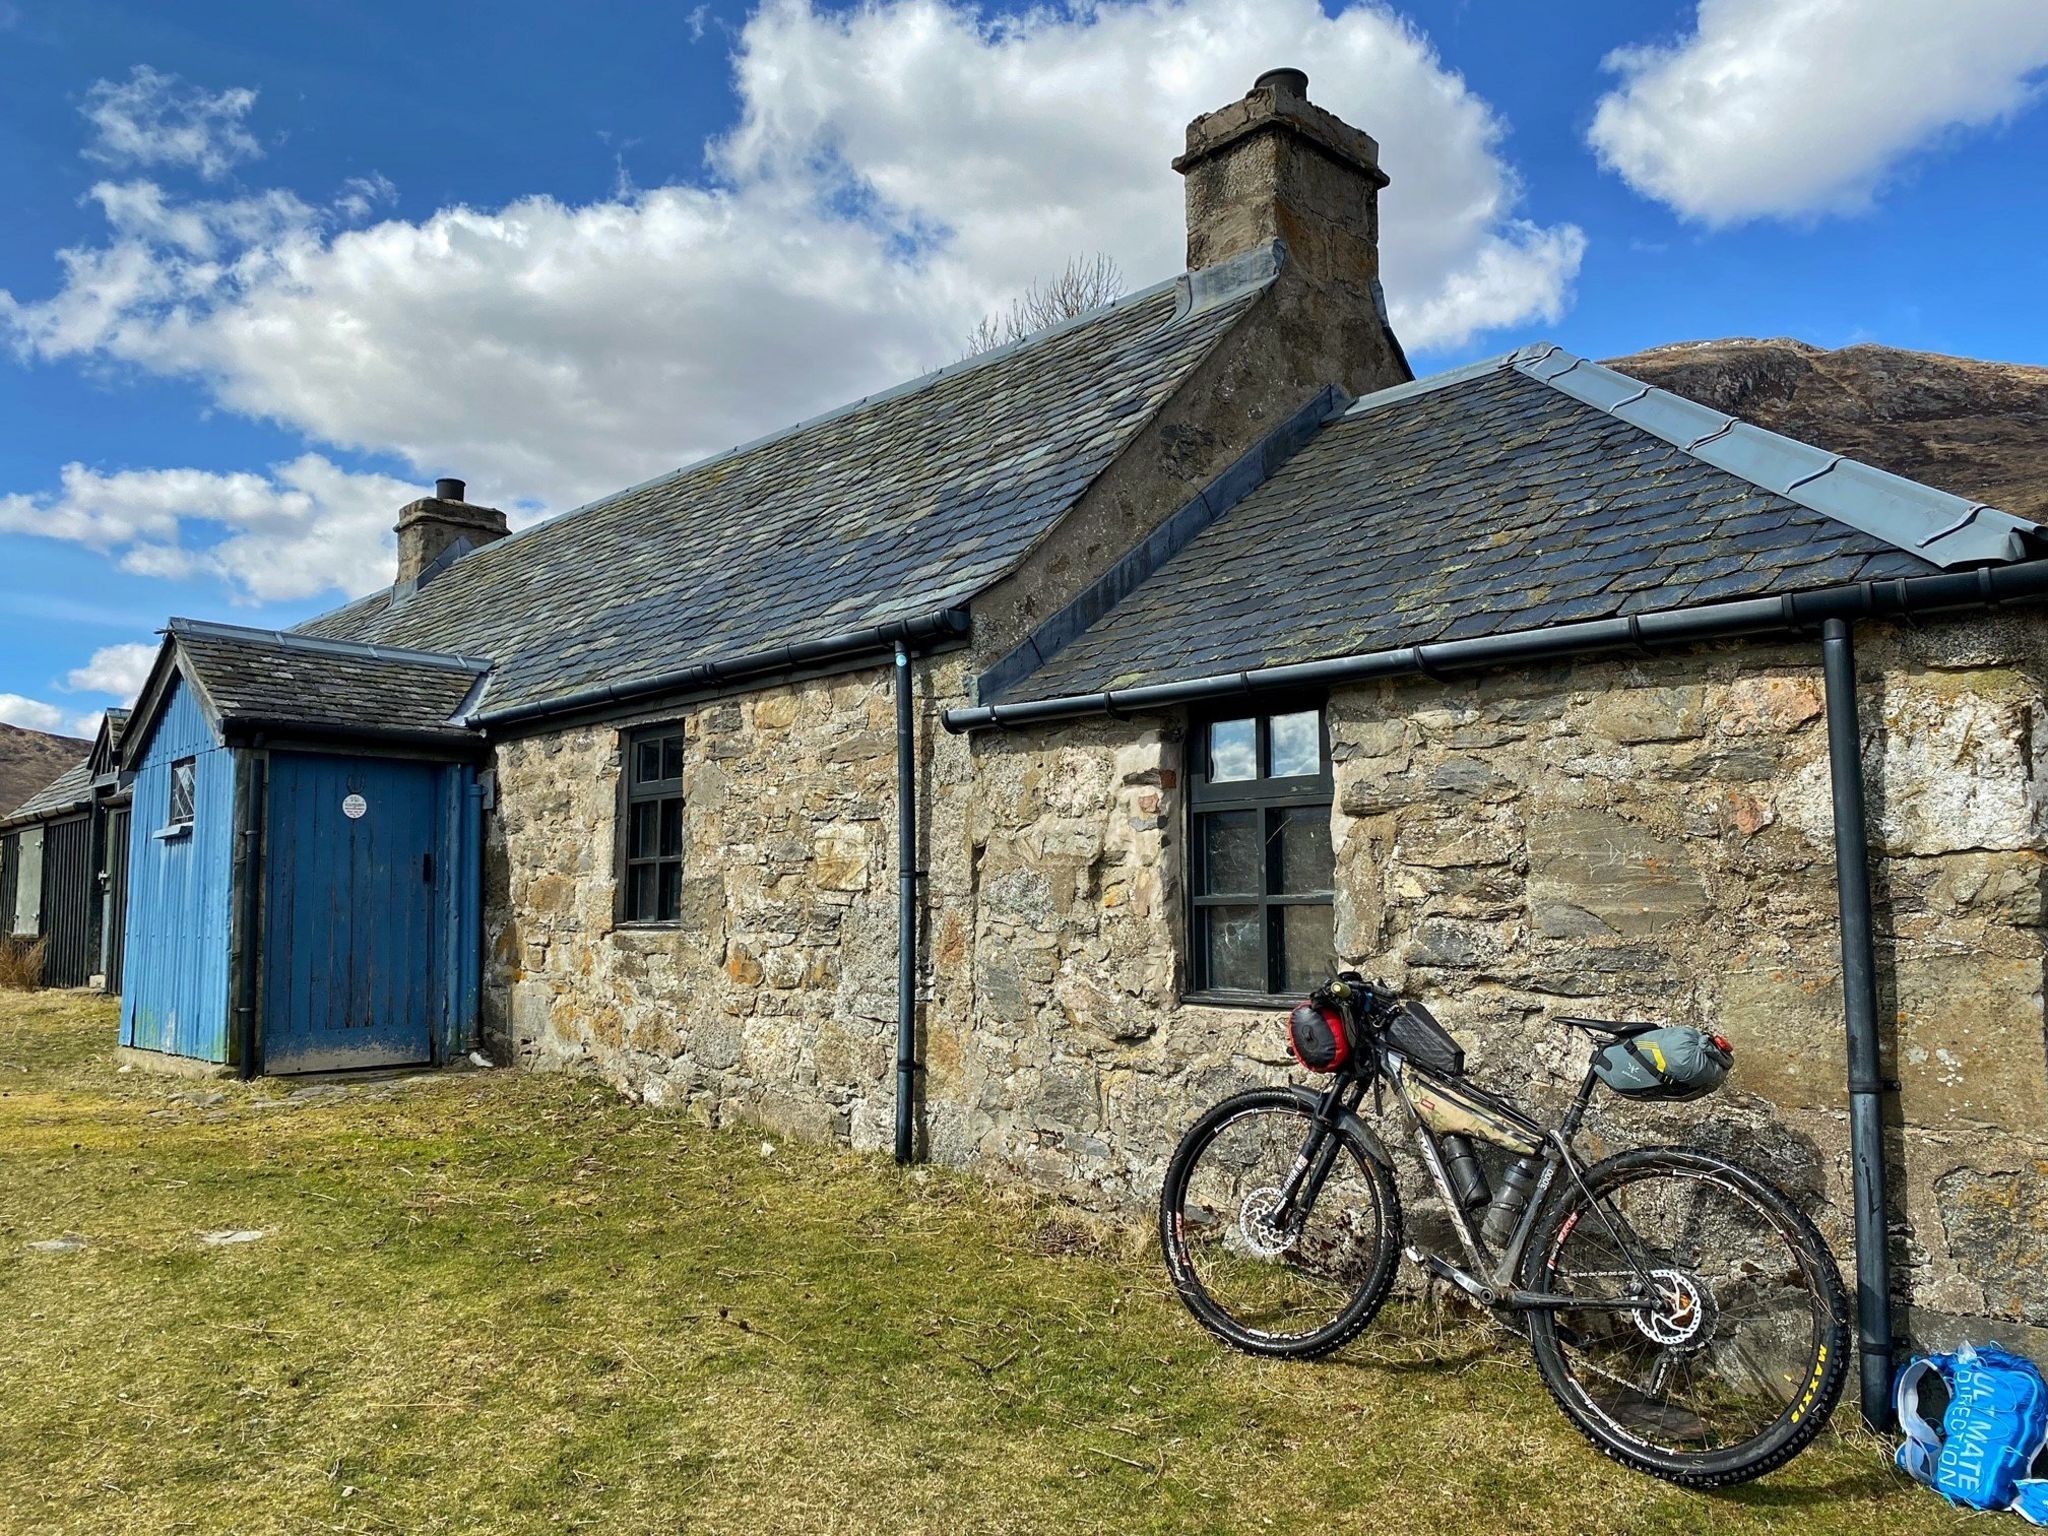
(1274, 166)
(439, 529)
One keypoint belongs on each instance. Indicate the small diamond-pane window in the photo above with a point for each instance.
(1263, 872)
(184, 791)
(651, 834)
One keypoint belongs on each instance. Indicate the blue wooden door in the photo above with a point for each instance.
(349, 948)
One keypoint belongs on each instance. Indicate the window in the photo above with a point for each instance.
(1262, 872)
(651, 827)
(184, 780)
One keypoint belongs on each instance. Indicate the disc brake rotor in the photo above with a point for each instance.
(1259, 1226)
(1683, 1318)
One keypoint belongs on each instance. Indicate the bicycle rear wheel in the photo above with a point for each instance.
(1294, 1285)
(1739, 1353)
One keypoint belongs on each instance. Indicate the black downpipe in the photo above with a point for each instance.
(906, 913)
(246, 879)
(1859, 997)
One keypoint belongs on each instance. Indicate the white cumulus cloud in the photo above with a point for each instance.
(30, 714)
(152, 118)
(304, 527)
(897, 171)
(120, 670)
(1798, 108)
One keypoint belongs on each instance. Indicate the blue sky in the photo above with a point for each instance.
(264, 271)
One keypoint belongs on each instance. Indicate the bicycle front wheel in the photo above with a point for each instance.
(1738, 1352)
(1261, 1273)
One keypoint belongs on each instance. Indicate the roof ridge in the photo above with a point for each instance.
(1903, 513)
(1200, 292)
(292, 640)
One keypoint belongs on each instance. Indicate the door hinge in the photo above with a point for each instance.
(427, 868)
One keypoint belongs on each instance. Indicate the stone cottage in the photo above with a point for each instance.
(1006, 747)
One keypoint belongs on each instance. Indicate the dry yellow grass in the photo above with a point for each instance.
(21, 963)
(496, 1302)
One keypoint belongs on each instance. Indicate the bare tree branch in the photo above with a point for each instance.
(1085, 284)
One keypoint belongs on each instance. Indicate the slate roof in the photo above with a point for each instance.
(67, 792)
(895, 508)
(1495, 499)
(281, 679)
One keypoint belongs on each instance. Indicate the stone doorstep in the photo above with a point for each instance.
(166, 1065)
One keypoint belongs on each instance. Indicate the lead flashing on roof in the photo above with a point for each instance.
(1227, 281)
(1938, 527)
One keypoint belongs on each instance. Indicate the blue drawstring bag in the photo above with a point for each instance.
(1994, 1426)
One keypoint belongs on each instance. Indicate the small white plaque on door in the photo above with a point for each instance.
(355, 807)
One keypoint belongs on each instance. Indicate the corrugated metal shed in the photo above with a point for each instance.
(319, 910)
(181, 891)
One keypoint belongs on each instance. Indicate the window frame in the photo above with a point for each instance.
(176, 825)
(1266, 797)
(632, 794)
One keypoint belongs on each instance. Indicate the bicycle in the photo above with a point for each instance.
(1685, 1315)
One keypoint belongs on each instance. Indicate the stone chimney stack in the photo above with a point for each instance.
(1274, 166)
(439, 529)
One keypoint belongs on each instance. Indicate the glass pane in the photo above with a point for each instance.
(1232, 953)
(645, 823)
(1296, 745)
(1233, 751)
(183, 774)
(669, 902)
(639, 893)
(672, 756)
(1308, 946)
(672, 829)
(1230, 853)
(647, 762)
(1301, 862)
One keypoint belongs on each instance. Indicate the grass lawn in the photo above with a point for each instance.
(496, 1302)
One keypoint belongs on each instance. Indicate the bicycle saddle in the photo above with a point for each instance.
(1615, 1029)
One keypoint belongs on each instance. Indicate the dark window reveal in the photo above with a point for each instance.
(1263, 873)
(651, 831)
(184, 791)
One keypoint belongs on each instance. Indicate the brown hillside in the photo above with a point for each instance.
(1975, 428)
(30, 759)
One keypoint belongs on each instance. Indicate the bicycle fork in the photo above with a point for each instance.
(1319, 1153)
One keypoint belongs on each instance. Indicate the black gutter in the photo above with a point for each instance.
(758, 666)
(906, 913)
(1859, 999)
(1795, 613)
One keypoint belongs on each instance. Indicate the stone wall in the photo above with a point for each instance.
(1654, 839)
(777, 992)
(1619, 837)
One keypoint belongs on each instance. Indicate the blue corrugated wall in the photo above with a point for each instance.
(179, 893)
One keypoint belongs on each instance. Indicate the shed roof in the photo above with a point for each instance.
(1533, 490)
(896, 508)
(69, 791)
(277, 679)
